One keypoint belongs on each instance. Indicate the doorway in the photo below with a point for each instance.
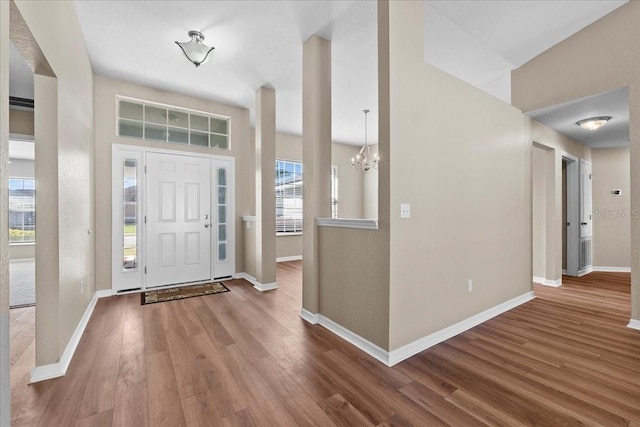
(173, 218)
(570, 215)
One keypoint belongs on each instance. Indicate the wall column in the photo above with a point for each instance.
(316, 159)
(265, 189)
(5, 383)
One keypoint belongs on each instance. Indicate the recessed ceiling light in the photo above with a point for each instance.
(593, 123)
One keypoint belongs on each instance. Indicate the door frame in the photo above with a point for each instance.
(134, 281)
(573, 213)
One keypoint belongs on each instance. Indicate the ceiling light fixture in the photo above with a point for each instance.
(363, 159)
(196, 51)
(593, 123)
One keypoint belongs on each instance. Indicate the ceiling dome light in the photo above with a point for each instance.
(593, 123)
(196, 51)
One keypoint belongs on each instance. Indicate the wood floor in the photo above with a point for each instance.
(245, 358)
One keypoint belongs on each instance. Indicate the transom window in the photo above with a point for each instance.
(22, 210)
(288, 197)
(137, 119)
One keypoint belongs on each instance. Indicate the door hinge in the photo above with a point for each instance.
(145, 219)
(145, 270)
(145, 169)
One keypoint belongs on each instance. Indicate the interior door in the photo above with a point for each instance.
(586, 223)
(178, 219)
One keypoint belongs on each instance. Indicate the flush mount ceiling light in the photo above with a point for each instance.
(196, 51)
(363, 159)
(593, 123)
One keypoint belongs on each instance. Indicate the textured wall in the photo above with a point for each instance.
(462, 158)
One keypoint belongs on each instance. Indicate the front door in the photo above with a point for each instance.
(178, 215)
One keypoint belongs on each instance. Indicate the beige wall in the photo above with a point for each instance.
(462, 158)
(585, 64)
(105, 134)
(21, 122)
(69, 286)
(611, 214)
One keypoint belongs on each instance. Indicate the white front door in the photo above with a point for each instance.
(178, 215)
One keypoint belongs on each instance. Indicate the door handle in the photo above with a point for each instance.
(207, 225)
(583, 223)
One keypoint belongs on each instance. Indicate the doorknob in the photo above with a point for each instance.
(583, 223)
(206, 225)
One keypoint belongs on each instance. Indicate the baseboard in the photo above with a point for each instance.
(59, 369)
(104, 293)
(262, 287)
(585, 271)
(634, 324)
(547, 282)
(424, 343)
(367, 346)
(406, 351)
(289, 258)
(309, 317)
(612, 269)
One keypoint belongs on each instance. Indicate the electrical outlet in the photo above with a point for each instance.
(470, 285)
(405, 210)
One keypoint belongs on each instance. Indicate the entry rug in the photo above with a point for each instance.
(162, 295)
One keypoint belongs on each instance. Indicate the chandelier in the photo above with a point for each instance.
(363, 159)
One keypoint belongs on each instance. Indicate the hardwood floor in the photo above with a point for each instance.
(245, 358)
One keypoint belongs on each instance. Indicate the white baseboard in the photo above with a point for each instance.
(262, 287)
(547, 282)
(634, 324)
(585, 271)
(289, 258)
(406, 351)
(105, 293)
(59, 369)
(424, 343)
(309, 317)
(612, 269)
(367, 346)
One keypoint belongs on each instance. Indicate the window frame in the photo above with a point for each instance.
(297, 231)
(167, 126)
(23, 242)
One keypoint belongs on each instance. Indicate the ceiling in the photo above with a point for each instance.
(480, 42)
(260, 43)
(563, 118)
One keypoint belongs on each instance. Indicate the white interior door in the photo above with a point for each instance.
(586, 224)
(178, 219)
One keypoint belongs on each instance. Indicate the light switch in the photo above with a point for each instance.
(405, 210)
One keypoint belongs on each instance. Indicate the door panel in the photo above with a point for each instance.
(178, 237)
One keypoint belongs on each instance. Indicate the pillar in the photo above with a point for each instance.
(316, 159)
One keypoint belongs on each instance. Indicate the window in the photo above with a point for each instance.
(130, 213)
(157, 122)
(334, 191)
(288, 197)
(22, 210)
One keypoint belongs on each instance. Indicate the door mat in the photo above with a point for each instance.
(151, 297)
